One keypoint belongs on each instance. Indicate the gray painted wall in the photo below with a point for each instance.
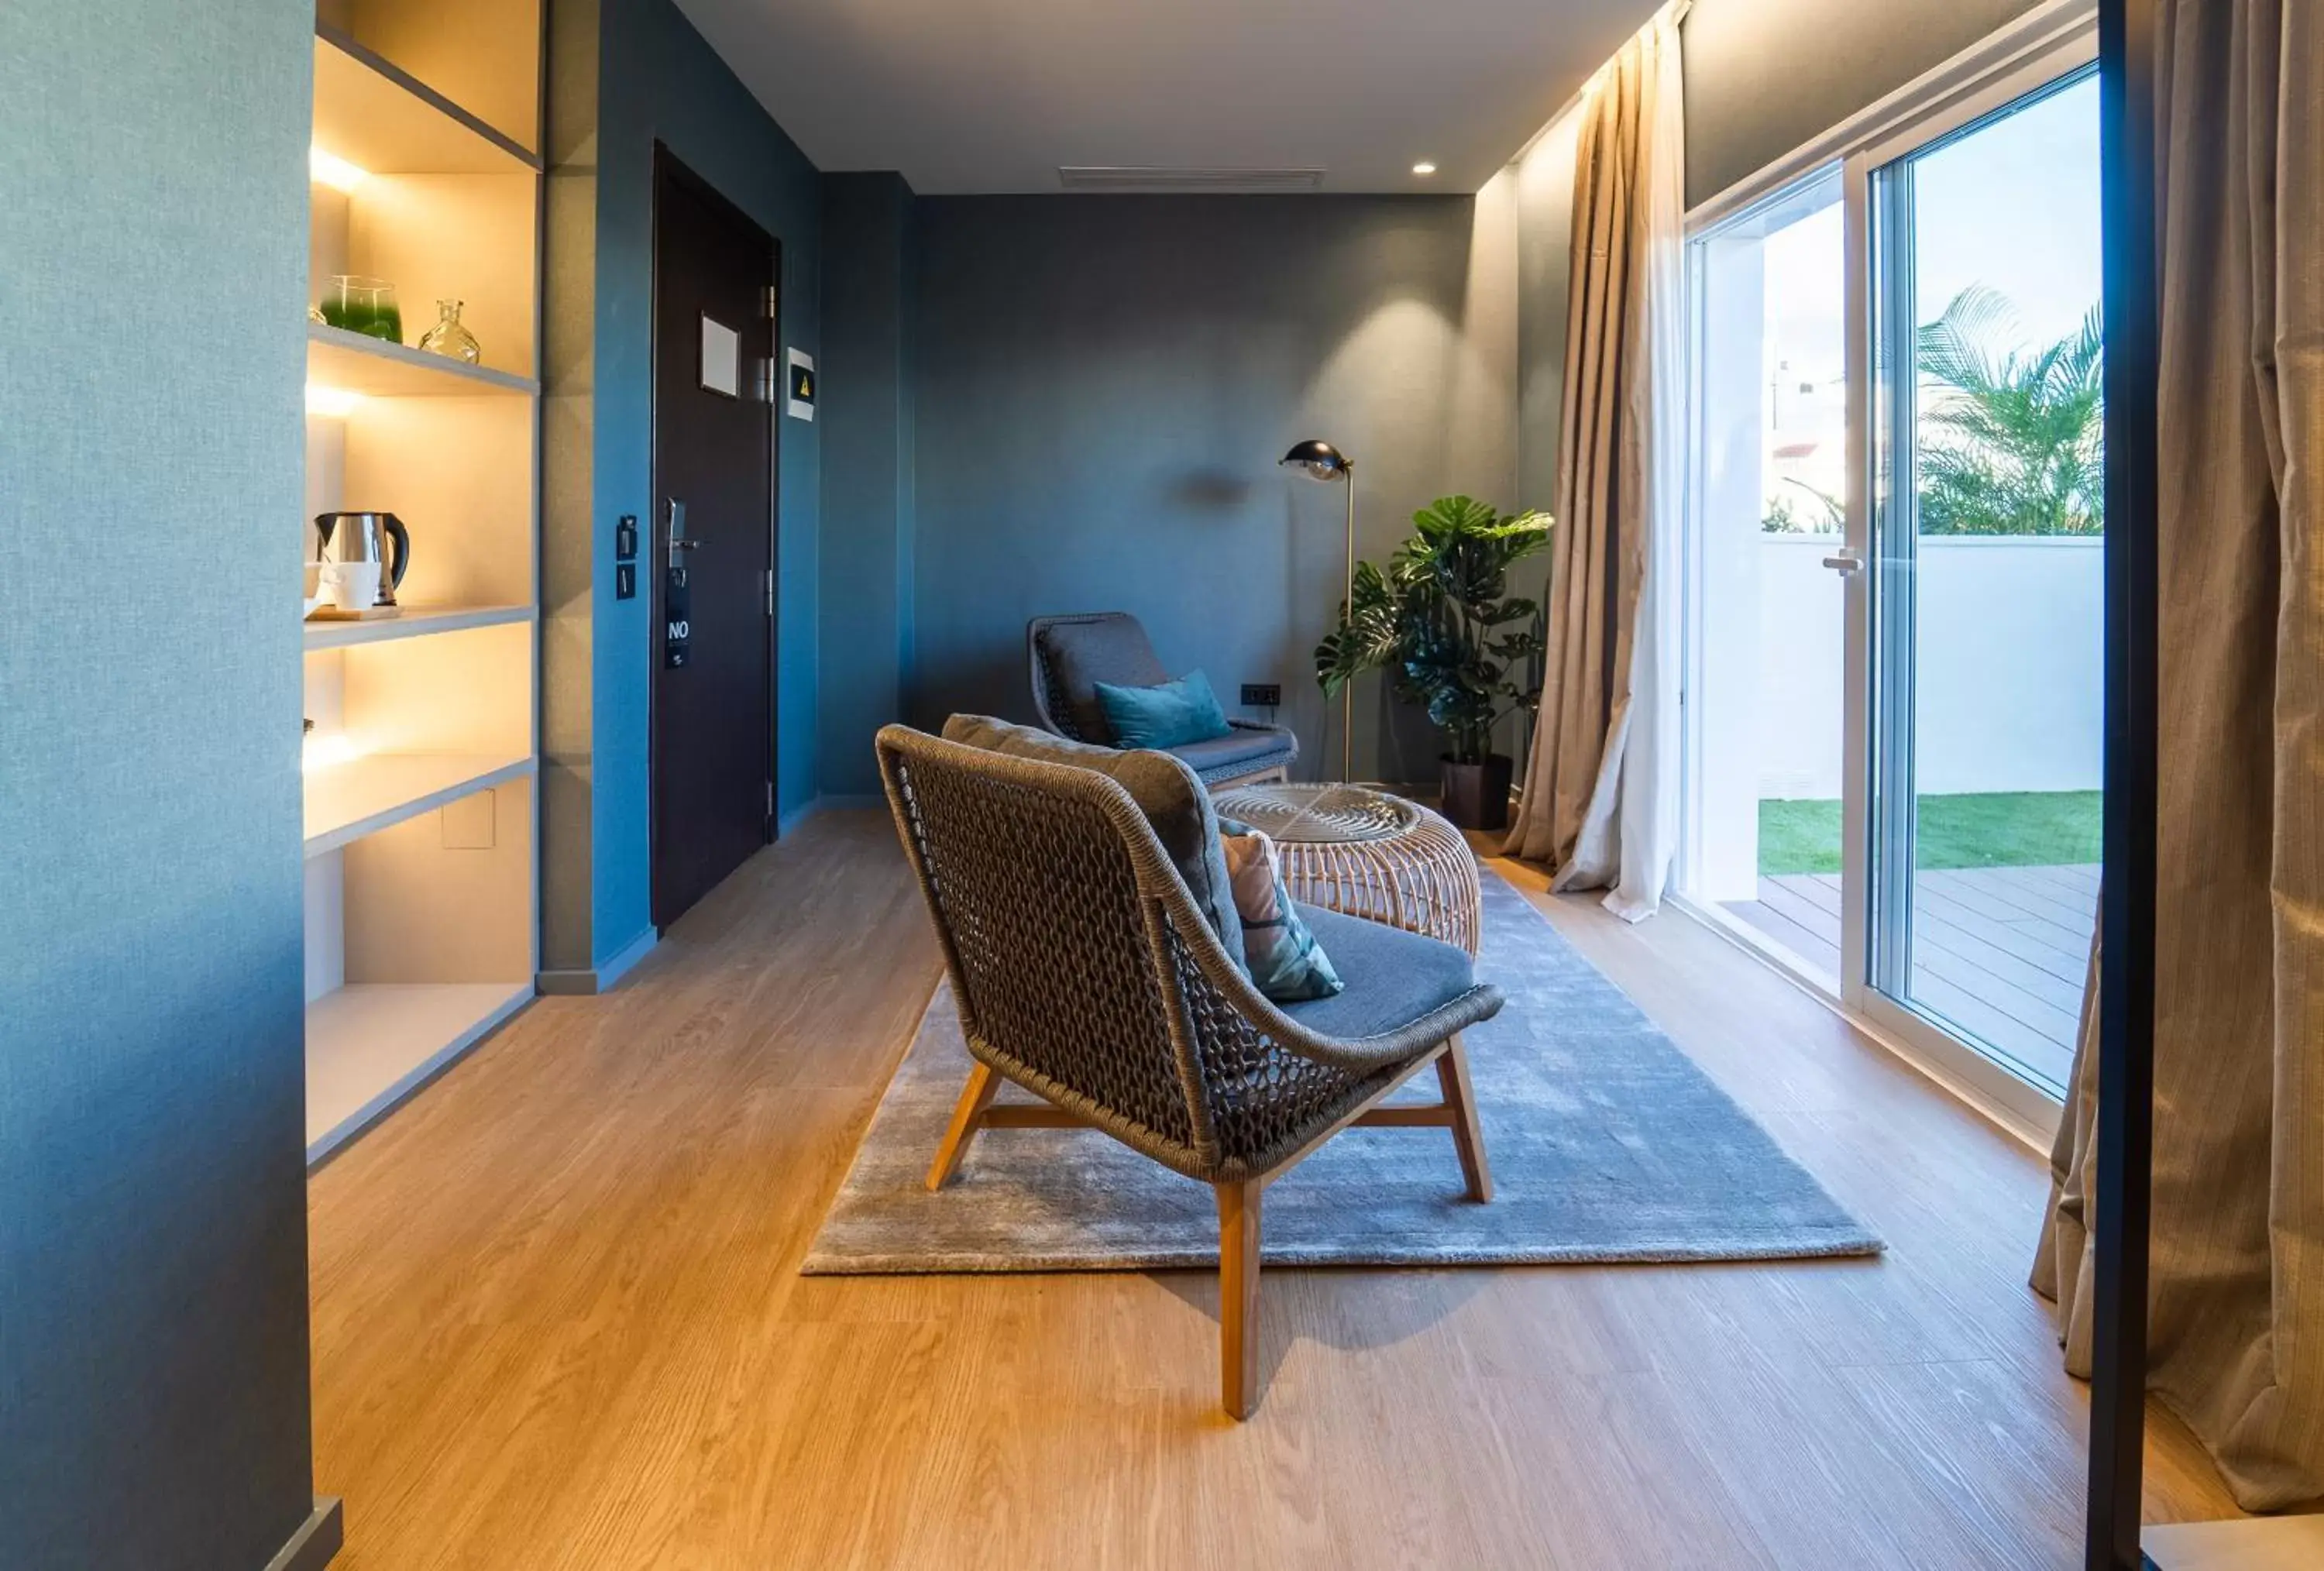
(153, 1398)
(655, 80)
(867, 416)
(1542, 179)
(1105, 384)
(1765, 76)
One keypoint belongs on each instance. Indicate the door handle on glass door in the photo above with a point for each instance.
(1845, 560)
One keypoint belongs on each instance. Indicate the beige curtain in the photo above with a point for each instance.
(1599, 791)
(2237, 1334)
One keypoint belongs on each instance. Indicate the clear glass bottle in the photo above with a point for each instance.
(449, 338)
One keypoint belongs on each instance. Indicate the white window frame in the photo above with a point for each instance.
(2049, 42)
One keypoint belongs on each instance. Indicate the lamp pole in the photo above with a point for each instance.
(1320, 461)
(1348, 689)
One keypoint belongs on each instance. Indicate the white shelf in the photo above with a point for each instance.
(370, 1045)
(358, 363)
(346, 801)
(383, 120)
(438, 105)
(417, 622)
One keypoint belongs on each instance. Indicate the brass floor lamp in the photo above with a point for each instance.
(1320, 461)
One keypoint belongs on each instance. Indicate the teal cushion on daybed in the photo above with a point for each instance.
(1171, 715)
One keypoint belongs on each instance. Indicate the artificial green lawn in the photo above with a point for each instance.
(1988, 830)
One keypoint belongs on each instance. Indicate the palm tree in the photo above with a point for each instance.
(2014, 445)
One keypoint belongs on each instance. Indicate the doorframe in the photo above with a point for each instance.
(2040, 47)
(668, 170)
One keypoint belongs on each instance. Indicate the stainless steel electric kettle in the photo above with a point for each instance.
(362, 537)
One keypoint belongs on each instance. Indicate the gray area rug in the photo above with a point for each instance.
(1605, 1142)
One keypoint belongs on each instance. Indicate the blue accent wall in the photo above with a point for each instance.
(153, 1376)
(868, 420)
(1105, 384)
(659, 81)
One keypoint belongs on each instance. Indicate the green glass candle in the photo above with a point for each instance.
(363, 305)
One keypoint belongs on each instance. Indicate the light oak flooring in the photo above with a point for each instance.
(557, 1321)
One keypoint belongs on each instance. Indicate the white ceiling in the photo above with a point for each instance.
(981, 95)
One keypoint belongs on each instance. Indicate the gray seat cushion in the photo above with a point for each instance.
(1393, 977)
(1166, 789)
(1079, 654)
(1245, 749)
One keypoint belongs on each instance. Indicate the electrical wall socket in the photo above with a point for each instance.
(1262, 695)
(467, 823)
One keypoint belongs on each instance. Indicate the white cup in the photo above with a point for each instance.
(352, 585)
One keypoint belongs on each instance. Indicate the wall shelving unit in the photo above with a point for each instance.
(422, 765)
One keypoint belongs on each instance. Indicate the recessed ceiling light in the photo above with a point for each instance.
(1424, 167)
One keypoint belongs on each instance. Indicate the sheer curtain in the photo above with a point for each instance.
(1601, 802)
(2236, 1340)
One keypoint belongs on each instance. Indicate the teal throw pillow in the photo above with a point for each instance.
(1171, 715)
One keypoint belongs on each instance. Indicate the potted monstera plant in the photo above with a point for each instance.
(1440, 619)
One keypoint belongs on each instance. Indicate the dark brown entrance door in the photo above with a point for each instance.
(711, 561)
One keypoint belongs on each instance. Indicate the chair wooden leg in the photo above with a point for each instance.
(1239, 1298)
(967, 1117)
(1461, 1100)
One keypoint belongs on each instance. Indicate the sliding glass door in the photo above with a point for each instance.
(1988, 479)
(1894, 613)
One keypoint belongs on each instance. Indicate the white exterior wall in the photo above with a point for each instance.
(2009, 665)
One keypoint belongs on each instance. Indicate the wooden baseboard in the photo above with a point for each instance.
(315, 1543)
(599, 978)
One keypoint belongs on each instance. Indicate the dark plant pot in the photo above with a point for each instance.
(1477, 795)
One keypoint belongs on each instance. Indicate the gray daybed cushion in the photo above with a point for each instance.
(1393, 977)
(1167, 790)
(1245, 745)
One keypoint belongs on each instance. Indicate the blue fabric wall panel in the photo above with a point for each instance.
(154, 1379)
(866, 416)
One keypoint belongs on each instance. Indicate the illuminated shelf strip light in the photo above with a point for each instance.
(330, 168)
(331, 403)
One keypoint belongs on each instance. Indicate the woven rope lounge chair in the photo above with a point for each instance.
(1070, 656)
(1085, 974)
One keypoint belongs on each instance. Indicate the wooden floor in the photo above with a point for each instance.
(556, 1320)
(1998, 953)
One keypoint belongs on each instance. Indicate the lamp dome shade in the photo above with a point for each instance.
(1320, 459)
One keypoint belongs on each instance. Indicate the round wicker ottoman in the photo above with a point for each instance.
(1366, 854)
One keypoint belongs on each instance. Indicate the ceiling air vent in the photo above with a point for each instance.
(1155, 178)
